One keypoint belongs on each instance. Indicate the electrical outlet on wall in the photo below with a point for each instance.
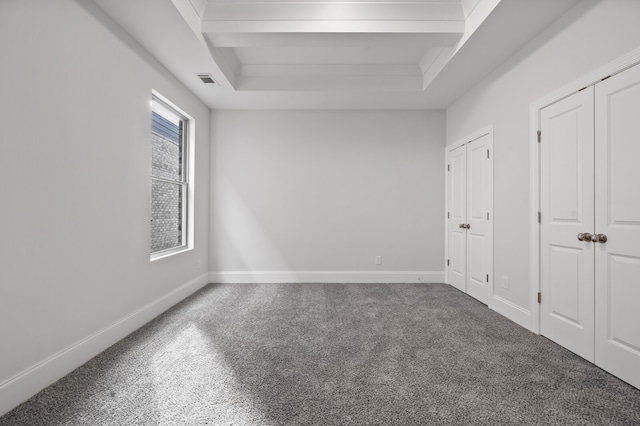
(505, 282)
(378, 260)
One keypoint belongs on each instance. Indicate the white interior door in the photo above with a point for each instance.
(479, 201)
(457, 255)
(617, 209)
(566, 201)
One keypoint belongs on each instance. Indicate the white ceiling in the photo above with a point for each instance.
(331, 53)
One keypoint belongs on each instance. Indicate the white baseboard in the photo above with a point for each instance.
(32, 380)
(512, 311)
(326, 277)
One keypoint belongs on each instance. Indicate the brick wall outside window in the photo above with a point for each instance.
(166, 199)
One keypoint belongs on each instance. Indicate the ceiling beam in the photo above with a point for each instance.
(333, 11)
(387, 70)
(330, 40)
(330, 83)
(450, 27)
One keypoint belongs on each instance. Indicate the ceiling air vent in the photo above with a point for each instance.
(207, 79)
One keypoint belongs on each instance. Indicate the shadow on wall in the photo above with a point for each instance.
(243, 235)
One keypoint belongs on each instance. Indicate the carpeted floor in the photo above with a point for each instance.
(332, 354)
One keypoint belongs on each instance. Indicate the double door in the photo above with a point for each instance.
(590, 224)
(470, 197)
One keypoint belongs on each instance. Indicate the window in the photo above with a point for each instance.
(169, 178)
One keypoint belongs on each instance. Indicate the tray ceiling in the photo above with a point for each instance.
(331, 45)
(327, 53)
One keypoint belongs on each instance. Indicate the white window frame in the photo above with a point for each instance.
(185, 182)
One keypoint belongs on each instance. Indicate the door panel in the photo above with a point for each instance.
(457, 267)
(566, 200)
(617, 208)
(623, 295)
(565, 275)
(479, 189)
(476, 271)
(457, 210)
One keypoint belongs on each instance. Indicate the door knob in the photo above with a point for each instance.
(601, 238)
(468, 226)
(594, 238)
(461, 226)
(584, 237)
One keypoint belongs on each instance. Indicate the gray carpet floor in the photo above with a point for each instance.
(332, 354)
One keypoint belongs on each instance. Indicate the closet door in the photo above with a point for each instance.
(479, 202)
(457, 217)
(470, 194)
(617, 208)
(566, 201)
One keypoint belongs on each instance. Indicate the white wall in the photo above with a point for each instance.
(588, 36)
(74, 166)
(327, 191)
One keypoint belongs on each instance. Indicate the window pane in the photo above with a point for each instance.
(166, 147)
(166, 215)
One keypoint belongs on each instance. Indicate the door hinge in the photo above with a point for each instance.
(487, 215)
(605, 78)
(487, 153)
(539, 217)
(539, 297)
(448, 167)
(487, 277)
(447, 262)
(539, 136)
(448, 215)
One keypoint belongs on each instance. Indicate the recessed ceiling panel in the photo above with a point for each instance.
(302, 42)
(363, 55)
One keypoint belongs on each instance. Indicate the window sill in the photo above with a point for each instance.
(168, 253)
